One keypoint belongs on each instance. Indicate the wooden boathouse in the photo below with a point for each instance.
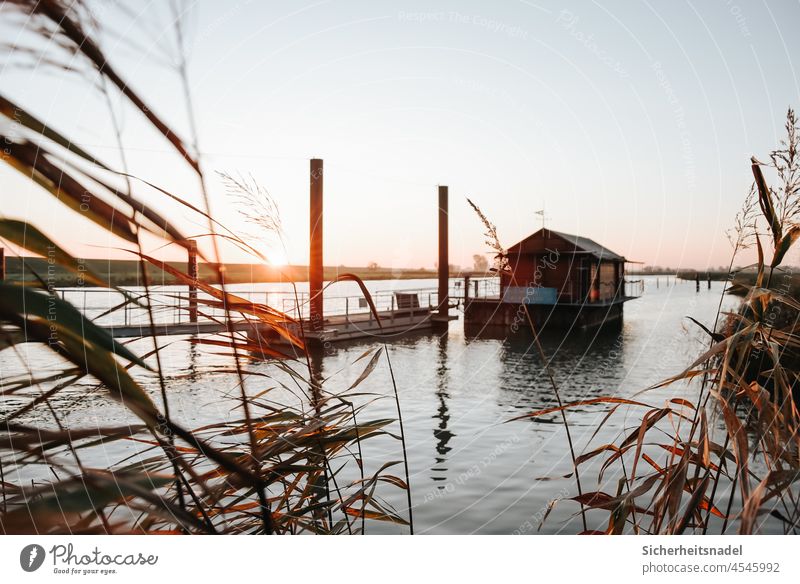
(561, 280)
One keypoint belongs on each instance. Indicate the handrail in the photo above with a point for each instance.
(108, 307)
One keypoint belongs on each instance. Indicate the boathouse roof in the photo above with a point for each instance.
(532, 244)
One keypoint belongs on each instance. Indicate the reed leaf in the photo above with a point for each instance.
(32, 162)
(30, 238)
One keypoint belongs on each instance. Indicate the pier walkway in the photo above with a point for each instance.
(178, 312)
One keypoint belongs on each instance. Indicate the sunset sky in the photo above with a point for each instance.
(629, 122)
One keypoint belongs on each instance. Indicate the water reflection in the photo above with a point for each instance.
(584, 365)
(193, 355)
(441, 432)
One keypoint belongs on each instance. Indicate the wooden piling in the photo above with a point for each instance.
(444, 260)
(315, 269)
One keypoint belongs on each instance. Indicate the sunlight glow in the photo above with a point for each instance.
(277, 258)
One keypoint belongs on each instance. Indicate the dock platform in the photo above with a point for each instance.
(346, 318)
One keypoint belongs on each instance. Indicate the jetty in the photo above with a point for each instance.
(559, 280)
(318, 315)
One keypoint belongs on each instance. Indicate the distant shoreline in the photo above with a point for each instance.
(127, 273)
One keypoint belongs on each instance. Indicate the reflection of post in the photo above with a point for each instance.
(317, 455)
(193, 358)
(441, 433)
(315, 357)
(315, 269)
(194, 275)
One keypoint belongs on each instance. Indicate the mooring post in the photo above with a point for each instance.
(697, 280)
(444, 266)
(194, 275)
(709, 280)
(315, 270)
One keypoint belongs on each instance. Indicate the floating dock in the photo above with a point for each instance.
(178, 313)
(493, 316)
(550, 279)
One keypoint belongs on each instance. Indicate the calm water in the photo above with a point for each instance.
(471, 472)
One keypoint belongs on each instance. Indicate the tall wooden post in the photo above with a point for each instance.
(315, 269)
(444, 265)
(316, 317)
(194, 274)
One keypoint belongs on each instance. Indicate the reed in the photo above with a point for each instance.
(725, 457)
(277, 466)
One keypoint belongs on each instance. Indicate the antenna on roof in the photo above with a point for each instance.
(542, 215)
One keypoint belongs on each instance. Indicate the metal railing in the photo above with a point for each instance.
(461, 288)
(633, 288)
(571, 292)
(109, 307)
(384, 301)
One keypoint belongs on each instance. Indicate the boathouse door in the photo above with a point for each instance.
(583, 283)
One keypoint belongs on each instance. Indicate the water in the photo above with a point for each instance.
(472, 471)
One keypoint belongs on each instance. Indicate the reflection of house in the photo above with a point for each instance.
(560, 279)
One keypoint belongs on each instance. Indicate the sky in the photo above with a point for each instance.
(631, 123)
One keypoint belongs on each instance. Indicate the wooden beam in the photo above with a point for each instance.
(444, 259)
(315, 269)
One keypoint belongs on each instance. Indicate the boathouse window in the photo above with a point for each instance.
(608, 280)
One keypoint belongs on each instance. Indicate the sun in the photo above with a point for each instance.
(277, 258)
